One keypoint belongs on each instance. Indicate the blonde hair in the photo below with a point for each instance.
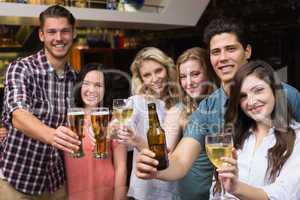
(155, 54)
(191, 104)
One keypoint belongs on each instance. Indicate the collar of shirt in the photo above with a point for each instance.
(68, 71)
(270, 131)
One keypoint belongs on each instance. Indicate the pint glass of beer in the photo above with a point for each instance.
(76, 121)
(100, 119)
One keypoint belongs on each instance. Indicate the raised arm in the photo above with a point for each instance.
(285, 186)
(19, 103)
(61, 138)
(230, 179)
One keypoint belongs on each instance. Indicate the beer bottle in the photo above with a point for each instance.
(156, 138)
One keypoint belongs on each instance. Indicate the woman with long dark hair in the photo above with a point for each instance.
(88, 178)
(266, 138)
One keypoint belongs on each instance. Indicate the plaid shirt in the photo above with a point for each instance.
(29, 165)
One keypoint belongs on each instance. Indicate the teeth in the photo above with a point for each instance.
(59, 46)
(157, 86)
(226, 68)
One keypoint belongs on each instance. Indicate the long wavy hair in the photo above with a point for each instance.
(240, 123)
(155, 54)
(190, 104)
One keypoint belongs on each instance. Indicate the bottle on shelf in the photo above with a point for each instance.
(111, 4)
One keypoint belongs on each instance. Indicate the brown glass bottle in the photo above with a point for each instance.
(157, 138)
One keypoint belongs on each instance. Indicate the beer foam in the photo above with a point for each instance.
(76, 113)
(100, 113)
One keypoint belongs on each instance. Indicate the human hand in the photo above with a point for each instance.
(146, 165)
(228, 174)
(128, 136)
(113, 128)
(3, 133)
(65, 139)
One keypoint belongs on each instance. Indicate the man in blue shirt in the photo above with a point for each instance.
(229, 50)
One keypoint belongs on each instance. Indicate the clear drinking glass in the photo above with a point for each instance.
(217, 146)
(99, 120)
(76, 122)
(122, 112)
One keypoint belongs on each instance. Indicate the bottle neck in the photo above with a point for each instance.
(153, 117)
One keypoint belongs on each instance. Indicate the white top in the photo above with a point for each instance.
(253, 167)
(148, 189)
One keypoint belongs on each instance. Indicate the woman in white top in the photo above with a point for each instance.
(153, 75)
(266, 161)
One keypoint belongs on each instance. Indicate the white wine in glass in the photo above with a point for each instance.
(218, 146)
(122, 110)
(216, 151)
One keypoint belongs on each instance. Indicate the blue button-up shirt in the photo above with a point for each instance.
(209, 119)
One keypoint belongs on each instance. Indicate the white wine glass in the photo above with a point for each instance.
(122, 112)
(218, 146)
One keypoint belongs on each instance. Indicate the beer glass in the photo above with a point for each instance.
(217, 146)
(100, 119)
(76, 122)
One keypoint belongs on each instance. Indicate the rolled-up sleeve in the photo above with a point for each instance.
(18, 89)
(198, 124)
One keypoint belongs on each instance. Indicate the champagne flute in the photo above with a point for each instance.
(217, 146)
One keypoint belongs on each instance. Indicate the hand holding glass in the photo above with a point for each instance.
(218, 146)
(76, 122)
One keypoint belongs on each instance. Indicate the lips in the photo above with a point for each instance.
(226, 68)
(157, 86)
(192, 89)
(91, 97)
(256, 109)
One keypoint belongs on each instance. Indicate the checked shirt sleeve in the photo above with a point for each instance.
(18, 89)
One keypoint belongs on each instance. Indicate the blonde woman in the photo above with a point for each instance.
(153, 77)
(196, 82)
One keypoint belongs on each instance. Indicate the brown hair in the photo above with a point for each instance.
(200, 55)
(56, 11)
(281, 116)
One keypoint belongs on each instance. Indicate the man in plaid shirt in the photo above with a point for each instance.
(38, 89)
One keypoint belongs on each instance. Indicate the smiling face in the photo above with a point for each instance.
(257, 99)
(57, 35)
(154, 75)
(227, 55)
(92, 89)
(192, 78)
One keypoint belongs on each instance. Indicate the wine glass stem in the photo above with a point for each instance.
(223, 193)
